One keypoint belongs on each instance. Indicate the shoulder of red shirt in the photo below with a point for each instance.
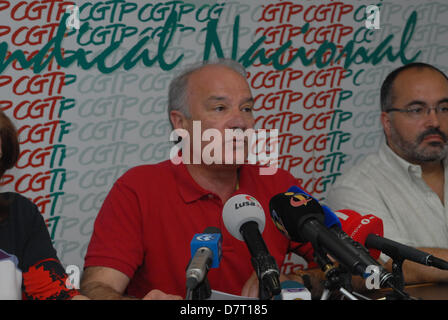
(146, 171)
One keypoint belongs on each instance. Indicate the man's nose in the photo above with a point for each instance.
(239, 120)
(432, 118)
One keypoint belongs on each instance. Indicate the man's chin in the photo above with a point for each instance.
(419, 151)
(432, 153)
(229, 161)
(438, 145)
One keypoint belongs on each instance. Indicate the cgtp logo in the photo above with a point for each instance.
(372, 17)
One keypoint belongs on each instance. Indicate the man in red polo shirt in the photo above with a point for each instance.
(140, 244)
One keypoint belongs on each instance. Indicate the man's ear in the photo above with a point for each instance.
(178, 119)
(386, 122)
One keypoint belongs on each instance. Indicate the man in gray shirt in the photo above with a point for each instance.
(405, 182)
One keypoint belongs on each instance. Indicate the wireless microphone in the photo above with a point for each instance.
(206, 252)
(244, 218)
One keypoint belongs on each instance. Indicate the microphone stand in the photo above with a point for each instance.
(337, 278)
(397, 286)
(201, 292)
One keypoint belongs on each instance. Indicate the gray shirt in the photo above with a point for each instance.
(389, 187)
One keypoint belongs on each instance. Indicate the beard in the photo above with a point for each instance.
(416, 152)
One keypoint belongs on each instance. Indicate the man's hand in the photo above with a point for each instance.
(250, 288)
(109, 284)
(160, 295)
(80, 297)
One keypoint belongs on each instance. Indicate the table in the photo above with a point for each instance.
(426, 291)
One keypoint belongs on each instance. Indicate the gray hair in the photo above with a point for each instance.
(177, 92)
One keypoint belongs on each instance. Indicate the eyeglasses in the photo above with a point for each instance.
(419, 111)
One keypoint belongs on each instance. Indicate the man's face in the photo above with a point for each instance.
(421, 139)
(220, 99)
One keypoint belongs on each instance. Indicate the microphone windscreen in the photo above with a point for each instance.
(330, 218)
(358, 227)
(296, 189)
(211, 238)
(213, 241)
(240, 209)
(289, 210)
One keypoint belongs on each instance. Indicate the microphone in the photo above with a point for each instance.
(301, 218)
(358, 227)
(395, 249)
(206, 252)
(244, 218)
(368, 230)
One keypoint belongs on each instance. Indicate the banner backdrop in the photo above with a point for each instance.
(86, 83)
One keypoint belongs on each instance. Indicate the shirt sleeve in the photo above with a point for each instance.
(117, 240)
(47, 280)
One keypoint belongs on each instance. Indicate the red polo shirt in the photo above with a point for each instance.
(148, 219)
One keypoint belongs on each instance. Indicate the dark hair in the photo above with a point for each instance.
(387, 94)
(10, 150)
